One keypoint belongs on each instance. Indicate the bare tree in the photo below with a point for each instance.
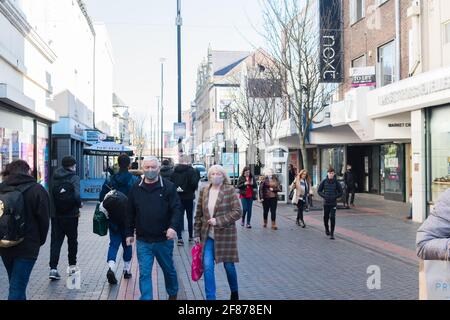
(140, 136)
(291, 32)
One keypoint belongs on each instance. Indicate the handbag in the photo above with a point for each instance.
(197, 263)
(100, 222)
(434, 279)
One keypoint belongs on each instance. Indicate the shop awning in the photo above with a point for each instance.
(107, 148)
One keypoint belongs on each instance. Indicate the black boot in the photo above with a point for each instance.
(297, 222)
(234, 296)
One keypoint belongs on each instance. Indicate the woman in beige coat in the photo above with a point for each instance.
(302, 191)
(218, 209)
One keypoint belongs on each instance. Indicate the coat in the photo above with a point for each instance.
(227, 211)
(243, 187)
(300, 192)
(433, 236)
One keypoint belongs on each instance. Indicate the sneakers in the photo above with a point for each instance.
(111, 277)
(54, 275)
(248, 226)
(191, 239)
(332, 237)
(180, 242)
(302, 224)
(127, 274)
(242, 223)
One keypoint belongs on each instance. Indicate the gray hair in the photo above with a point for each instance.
(152, 158)
(221, 169)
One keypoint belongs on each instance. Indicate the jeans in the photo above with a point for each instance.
(62, 227)
(188, 206)
(270, 203)
(19, 271)
(300, 206)
(208, 266)
(163, 252)
(329, 214)
(116, 237)
(247, 204)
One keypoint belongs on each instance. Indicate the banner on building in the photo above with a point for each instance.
(330, 55)
(179, 130)
(363, 77)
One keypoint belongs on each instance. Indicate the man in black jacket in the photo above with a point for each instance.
(350, 186)
(166, 169)
(154, 212)
(20, 259)
(67, 204)
(330, 189)
(186, 179)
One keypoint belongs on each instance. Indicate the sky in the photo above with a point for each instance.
(143, 31)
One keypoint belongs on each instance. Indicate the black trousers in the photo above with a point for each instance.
(352, 192)
(61, 228)
(300, 205)
(188, 206)
(270, 204)
(329, 213)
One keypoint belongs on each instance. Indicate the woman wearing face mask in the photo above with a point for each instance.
(218, 209)
(247, 193)
(268, 194)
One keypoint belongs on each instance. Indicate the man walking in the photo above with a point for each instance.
(186, 179)
(154, 212)
(330, 189)
(350, 186)
(64, 217)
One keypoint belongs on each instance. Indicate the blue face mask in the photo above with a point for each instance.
(151, 175)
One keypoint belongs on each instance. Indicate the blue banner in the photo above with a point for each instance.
(90, 188)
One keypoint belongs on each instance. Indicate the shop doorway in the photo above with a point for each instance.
(365, 167)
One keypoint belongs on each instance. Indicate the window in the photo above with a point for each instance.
(386, 64)
(359, 62)
(357, 10)
(380, 2)
(447, 32)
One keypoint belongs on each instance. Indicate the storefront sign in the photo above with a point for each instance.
(363, 77)
(90, 189)
(330, 41)
(179, 130)
(416, 91)
(399, 125)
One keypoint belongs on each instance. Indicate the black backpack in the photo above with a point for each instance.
(63, 193)
(12, 214)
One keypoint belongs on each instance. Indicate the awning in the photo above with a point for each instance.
(107, 148)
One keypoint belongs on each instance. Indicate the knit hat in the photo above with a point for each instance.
(68, 162)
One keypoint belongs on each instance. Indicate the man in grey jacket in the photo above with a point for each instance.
(433, 237)
(67, 203)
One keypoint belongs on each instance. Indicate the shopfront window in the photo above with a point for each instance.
(43, 165)
(16, 139)
(332, 157)
(392, 157)
(439, 159)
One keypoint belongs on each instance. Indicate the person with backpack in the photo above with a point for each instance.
(114, 199)
(186, 179)
(20, 243)
(330, 189)
(65, 216)
(154, 211)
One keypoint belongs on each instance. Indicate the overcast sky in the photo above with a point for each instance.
(143, 31)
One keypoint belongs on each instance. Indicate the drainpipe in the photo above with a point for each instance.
(397, 40)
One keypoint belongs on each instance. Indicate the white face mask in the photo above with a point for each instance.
(217, 180)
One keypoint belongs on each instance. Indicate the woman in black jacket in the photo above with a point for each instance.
(19, 260)
(247, 193)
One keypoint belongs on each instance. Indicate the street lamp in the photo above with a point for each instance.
(162, 60)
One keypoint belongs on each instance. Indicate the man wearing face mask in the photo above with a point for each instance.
(154, 211)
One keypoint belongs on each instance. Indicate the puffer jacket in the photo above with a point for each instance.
(433, 236)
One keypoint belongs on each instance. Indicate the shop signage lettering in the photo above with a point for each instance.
(414, 92)
(363, 77)
(399, 125)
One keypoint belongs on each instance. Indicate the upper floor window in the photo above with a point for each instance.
(386, 64)
(359, 62)
(357, 10)
(447, 32)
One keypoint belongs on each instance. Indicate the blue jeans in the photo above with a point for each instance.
(247, 204)
(116, 237)
(19, 271)
(208, 265)
(163, 252)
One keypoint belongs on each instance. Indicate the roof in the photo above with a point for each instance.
(224, 61)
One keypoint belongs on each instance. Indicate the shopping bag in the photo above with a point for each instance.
(73, 278)
(435, 280)
(197, 263)
(100, 222)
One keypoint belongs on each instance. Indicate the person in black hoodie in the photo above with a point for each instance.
(122, 182)
(330, 189)
(186, 179)
(350, 186)
(166, 169)
(154, 211)
(19, 260)
(65, 216)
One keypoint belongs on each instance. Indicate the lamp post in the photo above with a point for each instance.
(162, 60)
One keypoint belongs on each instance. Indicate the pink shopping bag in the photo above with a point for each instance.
(197, 264)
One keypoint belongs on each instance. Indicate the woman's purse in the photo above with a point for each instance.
(197, 263)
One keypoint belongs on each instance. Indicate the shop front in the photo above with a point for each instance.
(25, 136)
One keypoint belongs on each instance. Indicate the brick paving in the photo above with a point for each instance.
(286, 264)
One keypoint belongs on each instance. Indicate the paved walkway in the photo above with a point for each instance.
(289, 263)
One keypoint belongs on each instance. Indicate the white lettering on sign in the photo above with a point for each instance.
(329, 55)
